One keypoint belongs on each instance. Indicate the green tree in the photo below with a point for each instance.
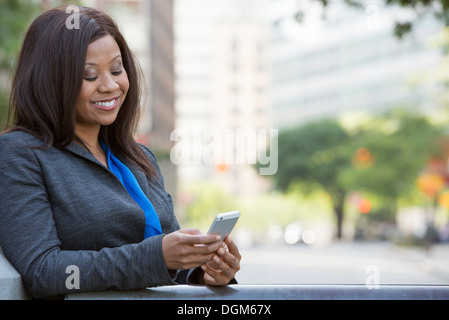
(439, 8)
(311, 156)
(15, 16)
(388, 154)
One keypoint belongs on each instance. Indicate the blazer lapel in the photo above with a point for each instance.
(139, 174)
(80, 151)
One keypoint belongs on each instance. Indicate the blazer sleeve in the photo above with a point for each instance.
(187, 276)
(29, 239)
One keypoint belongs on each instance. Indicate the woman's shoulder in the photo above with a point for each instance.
(16, 145)
(17, 150)
(19, 138)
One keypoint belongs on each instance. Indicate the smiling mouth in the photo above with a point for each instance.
(106, 105)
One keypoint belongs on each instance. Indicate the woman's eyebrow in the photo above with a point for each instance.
(94, 64)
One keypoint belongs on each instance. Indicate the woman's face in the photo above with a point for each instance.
(104, 86)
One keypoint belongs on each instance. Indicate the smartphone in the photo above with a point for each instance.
(224, 223)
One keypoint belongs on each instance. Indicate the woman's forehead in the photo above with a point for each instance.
(103, 50)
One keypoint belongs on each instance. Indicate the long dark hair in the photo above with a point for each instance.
(49, 77)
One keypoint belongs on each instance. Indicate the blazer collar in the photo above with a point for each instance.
(80, 151)
(139, 174)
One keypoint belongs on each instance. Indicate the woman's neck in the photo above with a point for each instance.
(89, 138)
(88, 135)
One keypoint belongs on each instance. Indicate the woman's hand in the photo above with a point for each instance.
(186, 249)
(223, 266)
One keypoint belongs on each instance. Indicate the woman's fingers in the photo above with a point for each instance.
(232, 255)
(233, 248)
(189, 231)
(220, 274)
(185, 249)
(223, 266)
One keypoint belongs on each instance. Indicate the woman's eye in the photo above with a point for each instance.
(114, 73)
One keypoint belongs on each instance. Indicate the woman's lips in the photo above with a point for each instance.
(106, 105)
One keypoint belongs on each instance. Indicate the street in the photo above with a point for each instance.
(344, 263)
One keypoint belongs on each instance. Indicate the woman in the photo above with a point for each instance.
(75, 189)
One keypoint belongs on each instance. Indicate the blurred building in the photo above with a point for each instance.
(162, 76)
(348, 61)
(161, 81)
(222, 71)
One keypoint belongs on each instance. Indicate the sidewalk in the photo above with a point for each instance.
(344, 263)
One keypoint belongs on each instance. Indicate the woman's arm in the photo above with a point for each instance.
(29, 238)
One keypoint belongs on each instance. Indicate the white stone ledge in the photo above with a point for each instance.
(273, 292)
(11, 285)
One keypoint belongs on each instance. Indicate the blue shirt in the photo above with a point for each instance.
(126, 177)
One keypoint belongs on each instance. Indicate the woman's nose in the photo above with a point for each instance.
(108, 84)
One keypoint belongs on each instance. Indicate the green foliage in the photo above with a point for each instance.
(399, 143)
(281, 209)
(15, 16)
(439, 8)
(3, 108)
(381, 159)
(205, 201)
(312, 156)
(313, 153)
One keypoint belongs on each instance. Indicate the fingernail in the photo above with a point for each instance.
(218, 237)
(220, 251)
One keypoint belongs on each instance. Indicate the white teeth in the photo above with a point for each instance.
(106, 104)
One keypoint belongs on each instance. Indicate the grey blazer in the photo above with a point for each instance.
(61, 208)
